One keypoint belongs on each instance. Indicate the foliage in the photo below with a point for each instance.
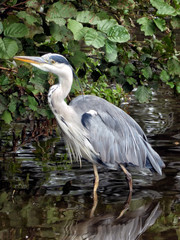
(100, 41)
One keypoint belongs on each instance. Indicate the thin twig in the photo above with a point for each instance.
(8, 69)
(14, 6)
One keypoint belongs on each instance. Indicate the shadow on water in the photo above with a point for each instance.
(44, 196)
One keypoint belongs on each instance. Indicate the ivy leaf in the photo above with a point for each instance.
(60, 10)
(60, 33)
(164, 76)
(54, 15)
(8, 48)
(160, 23)
(29, 18)
(147, 26)
(17, 30)
(94, 38)
(178, 87)
(111, 51)
(1, 27)
(173, 65)
(175, 22)
(143, 94)
(147, 72)
(118, 34)
(78, 59)
(4, 80)
(75, 28)
(131, 80)
(3, 103)
(163, 8)
(32, 103)
(129, 69)
(106, 24)
(87, 17)
(12, 105)
(6, 116)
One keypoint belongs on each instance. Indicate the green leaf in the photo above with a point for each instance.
(1, 27)
(114, 72)
(87, 17)
(83, 32)
(129, 69)
(105, 25)
(39, 84)
(164, 76)
(147, 26)
(171, 84)
(8, 48)
(54, 15)
(12, 106)
(163, 8)
(59, 11)
(131, 80)
(60, 33)
(30, 19)
(147, 72)
(3, 103)
(6, 116)
(175, 22)
(111, 51)
(143, 94)
(32, 103)
(4, 80)
(78, 59)
(17, 30)
(118, 34)
(43, 112)
(75, 28)
(94, 38)
(23, 72)
(160, 23)
(173, 65)
(178, 87)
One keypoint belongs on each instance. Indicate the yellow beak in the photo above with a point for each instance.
(35, 60)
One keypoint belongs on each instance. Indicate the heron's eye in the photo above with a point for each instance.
(52, 61)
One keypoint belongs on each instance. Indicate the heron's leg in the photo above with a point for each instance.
(96, 176)
(96, 184)
(129, 177)
(126, 206)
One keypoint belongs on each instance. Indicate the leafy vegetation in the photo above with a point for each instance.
(102, 43)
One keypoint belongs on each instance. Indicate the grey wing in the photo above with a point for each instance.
(115, 141)
(115, 135)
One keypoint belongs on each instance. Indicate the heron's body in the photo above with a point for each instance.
(93, 128)
(105, 134)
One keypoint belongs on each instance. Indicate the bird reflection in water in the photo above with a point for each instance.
(108, 227)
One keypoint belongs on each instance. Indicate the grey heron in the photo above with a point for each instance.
(93, 128)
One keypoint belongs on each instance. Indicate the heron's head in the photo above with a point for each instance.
(51, 62)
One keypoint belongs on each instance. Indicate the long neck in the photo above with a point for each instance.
(65, 82)
(59, 92)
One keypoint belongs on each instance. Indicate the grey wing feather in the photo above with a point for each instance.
(115, 135)
(115, 145)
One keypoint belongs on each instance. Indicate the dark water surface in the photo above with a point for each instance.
(43, 196)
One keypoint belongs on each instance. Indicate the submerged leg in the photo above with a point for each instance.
(126, 206)
(129, 177)
(96, 176)
(96, 184)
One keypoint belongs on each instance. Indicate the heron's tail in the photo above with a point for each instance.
(153, 160)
